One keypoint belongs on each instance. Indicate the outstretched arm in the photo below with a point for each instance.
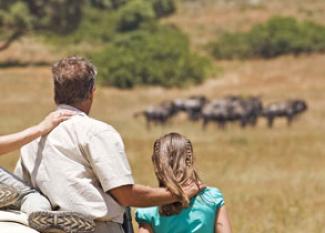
(222, 221)
(143, 196)
(14, 141)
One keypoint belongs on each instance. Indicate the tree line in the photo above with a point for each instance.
(136, 49)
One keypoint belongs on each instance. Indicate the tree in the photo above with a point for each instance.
(108, 4)
(17, 17)
(164, 7)
(135, 13)
(278, 36)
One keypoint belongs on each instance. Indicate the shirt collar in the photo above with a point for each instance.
(71, 108)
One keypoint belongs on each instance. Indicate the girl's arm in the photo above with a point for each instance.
(145, 228)
(14, 141)
(222, 221)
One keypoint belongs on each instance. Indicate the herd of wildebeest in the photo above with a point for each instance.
(230, 109)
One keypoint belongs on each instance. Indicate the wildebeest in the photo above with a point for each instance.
(158, 114)
(232, 109)
(192, 106)
(288, 109)
(253, 108)
(215, 111)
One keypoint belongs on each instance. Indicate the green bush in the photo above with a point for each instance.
(159, 56)
(163, 8)
(96, 27)
(134, 14)
(102, 20)
(19, 16)
(278, 36)
(108, 4)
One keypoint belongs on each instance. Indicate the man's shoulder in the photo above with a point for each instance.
(89, 125)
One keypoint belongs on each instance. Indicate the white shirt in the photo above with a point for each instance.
(76, 164)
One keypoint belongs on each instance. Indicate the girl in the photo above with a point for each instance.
(205, 213)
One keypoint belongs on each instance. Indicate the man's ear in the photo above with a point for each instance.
(92, 93)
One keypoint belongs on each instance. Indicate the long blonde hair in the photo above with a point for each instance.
(173, 164)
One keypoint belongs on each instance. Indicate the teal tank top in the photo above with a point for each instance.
(199, 217)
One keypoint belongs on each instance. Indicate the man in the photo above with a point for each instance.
(81, 165)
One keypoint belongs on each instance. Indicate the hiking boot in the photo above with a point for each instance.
(61, 222)
(8, 196)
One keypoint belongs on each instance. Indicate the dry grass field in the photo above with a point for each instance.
(273, 180)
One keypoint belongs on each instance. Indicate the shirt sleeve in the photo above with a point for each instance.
(142, 216)
(218, 197)
(214, 197)
(106, 154)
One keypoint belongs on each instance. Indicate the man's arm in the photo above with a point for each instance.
(106, 154)
(143, 196)
(14, 141)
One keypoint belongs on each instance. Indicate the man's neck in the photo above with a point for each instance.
(83, 106)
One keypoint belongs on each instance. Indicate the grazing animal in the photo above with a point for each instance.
(288, 109)
(215, 111)
(231, 109)
(158, 114)
(253, 108)
(192, 106)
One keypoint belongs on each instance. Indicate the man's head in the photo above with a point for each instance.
(74, 81)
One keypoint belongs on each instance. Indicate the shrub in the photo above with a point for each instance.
(157, 56)
(97, 26)
(163, 8)
(103, 19)
(108, 4)
(278, 36)
(134, 14)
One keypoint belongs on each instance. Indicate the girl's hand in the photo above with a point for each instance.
(54, 119)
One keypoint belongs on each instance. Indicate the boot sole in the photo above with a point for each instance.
(61, 222)
(8, 196)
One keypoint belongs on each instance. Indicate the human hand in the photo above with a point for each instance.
(193, 188)
(54, 119)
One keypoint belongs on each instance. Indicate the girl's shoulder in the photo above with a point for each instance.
(212, 191)
(209, 196)
(212, 195)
